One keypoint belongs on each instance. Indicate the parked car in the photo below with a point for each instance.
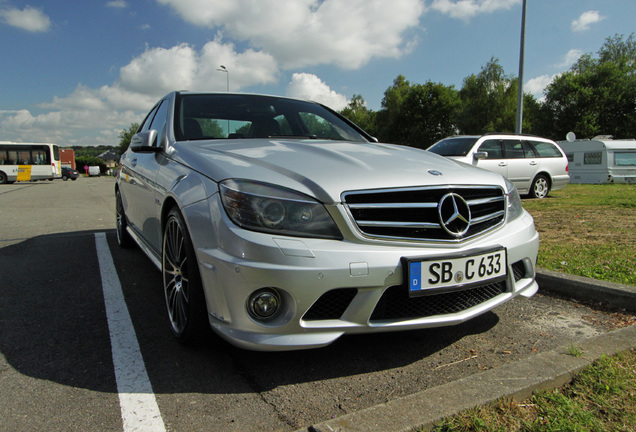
(534, 165)
(283, 226)
(93, 171)
(69, 173)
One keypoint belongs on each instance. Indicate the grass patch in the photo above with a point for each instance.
(588, 230)
(574, 351)
(601, 398)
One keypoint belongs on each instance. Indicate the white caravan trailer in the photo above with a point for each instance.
(601, 160)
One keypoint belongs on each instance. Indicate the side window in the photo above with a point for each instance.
(160, 118)
(24, 157)
(592, 158)
(545, 149)
(13, 157)
(493, 147)
(623, 158)
(145, 126)
(514, 149)
(40, 156)
(528, 150)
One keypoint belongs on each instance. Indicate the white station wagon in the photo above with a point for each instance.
(534, 165)
(283, 226)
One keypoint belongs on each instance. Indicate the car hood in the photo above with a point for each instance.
(325, 169)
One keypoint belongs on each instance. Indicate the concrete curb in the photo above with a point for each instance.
(577, 287)
(518, 380)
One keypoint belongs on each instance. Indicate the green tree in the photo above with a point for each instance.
(597, 96)
(125, 135)
(357, 111)
(426, 115)
(387, 116)
(488, 101)
(417, 115)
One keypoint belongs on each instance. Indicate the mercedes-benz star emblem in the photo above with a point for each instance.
(454, 214)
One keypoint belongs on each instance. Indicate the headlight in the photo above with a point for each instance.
(271, 209)
(514, 201)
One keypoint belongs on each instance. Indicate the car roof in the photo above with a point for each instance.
(501, 135)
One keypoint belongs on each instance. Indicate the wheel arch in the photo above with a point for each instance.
(546, 175)
(168, 204)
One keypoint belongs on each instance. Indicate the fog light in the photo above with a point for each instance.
(264, 303)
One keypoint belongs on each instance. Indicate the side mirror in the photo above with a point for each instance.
(145, 142)
(480, 155)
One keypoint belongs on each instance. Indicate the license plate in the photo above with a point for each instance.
(454, 272)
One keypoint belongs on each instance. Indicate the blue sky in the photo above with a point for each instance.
(77, 72)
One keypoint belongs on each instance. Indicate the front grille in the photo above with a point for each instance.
(331, 305)
(396, 304)
(412, 214)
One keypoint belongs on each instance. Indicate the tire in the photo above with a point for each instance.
(182, 286)
(3, 178)
(540, 187)
(64, 178)
(123, 238)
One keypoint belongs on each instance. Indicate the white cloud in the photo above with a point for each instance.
(310, 87)
(118, 4)
(570, 58)
(182, 67)
(91, 116)
(301, 33)
(536, 86)
(586, 19)
(467, 9)
(29, 19)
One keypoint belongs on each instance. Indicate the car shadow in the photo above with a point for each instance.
(53, 327)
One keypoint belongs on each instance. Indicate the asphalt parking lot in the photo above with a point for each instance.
(59, 368)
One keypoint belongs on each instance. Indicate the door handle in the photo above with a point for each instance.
(134, 162)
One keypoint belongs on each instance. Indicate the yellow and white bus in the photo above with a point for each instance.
(29, 161)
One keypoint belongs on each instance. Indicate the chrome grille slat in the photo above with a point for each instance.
(488, 217)
(399, 224)
(412, 213)
(392, 205)
(485, 201)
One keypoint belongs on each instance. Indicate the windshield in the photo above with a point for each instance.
(456, 146)
(220, 116)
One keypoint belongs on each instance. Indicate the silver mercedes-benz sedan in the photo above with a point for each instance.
(283, 226)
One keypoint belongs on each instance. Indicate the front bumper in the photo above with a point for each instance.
(307, 271)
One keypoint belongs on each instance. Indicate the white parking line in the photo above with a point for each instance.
(139, 409)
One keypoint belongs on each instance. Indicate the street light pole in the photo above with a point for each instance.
(227, 73)
(519, 122)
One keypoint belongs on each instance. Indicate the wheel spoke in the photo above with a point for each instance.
(175, 275)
